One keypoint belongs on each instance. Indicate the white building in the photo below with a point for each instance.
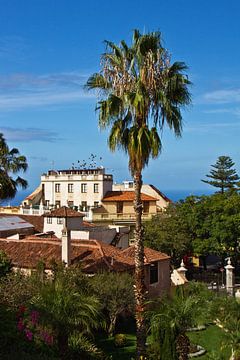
(59, 219)
(73, 188)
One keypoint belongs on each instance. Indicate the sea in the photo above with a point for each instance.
(174, 195)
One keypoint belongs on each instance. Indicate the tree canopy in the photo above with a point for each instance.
(198, 225)
(11, 163)
(223, 175)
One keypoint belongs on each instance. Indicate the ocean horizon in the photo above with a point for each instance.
(174, 195)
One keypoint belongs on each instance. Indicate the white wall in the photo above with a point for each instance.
(72, 224)
(104, 184)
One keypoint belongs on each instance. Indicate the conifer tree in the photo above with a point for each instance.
(223, 175)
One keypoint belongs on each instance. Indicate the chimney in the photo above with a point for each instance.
(66, 246)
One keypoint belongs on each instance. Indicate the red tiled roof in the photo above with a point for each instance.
(150, 255)
(64, 211)
(125, 196)
(92, 254)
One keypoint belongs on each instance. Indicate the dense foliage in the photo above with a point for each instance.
(115, 292)
(11, 163)
(198, 225)
(223, 175)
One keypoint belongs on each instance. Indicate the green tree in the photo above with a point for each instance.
(115, 292)
(223, 174)
(67, 306)
(11, 162)
(140, 91)
(226, 312)
(5, 264)
(200, 225)
(168, 233)
(169, 323)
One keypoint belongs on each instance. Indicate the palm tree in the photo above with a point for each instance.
(169, 323)
(11, 162)
(67, 306)
(140, 92)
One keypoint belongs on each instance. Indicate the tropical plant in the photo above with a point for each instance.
(140, 91)
(169, 322)
(11, 162)
(5, 264)
(69, 309)
(223, 175)
(226, 313)
(115, 292)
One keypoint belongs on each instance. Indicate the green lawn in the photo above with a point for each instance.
(211, 339)
(126, 353)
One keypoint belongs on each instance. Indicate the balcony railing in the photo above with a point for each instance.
(119, 217)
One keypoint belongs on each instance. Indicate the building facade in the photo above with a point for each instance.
(75, 188)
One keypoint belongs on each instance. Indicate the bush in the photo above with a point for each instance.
(120, 340)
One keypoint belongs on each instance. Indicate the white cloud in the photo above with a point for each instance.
(41, 99)
(233, 111)
(28, 134)
(224, 96)
(20, 91)
(209, 127)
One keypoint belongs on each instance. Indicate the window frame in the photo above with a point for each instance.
(84, 188)
(70, 188)
(153, 273)
(57, 187)
(96, 188)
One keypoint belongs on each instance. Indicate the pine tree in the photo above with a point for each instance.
(223, 175)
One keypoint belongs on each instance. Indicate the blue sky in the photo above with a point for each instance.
(49, 48)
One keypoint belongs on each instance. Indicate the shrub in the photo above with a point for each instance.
(120, 340)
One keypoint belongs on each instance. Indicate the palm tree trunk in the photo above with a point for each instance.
(112, 325)
(183, 345)
(140, 291)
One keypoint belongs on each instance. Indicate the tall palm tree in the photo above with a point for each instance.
(11, 162)
(140, 91)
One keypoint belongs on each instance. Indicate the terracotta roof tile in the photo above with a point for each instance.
(125, 196)
(149, 254)
(92, 254)
(64, 211)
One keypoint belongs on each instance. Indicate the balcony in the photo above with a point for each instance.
(120, 218)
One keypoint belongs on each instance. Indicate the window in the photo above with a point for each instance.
(96, 203)
(154, 272)
(57, 188)
(84, 206)
(119, 207)
(70, 203)
(49, 220)
(59, 220)
(83, 188)
(146, 207)
(57, 204)
(95, 188)
(70, 188)
(47, 203)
